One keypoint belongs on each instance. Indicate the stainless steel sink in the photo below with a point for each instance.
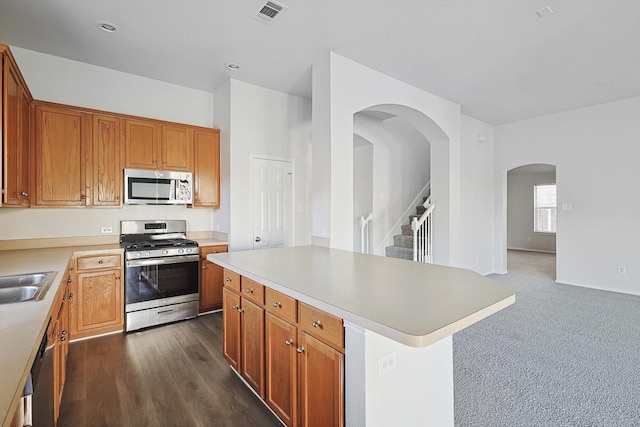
(25, 287)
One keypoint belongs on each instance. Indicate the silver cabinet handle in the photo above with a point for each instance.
(277, 305)
(71, 295)
(289, 341)
(24, 193)
(249, 290)
(234, 307)
(241, 310)
(258, 239)
(100, 261)
(228, 279)
(316, 324)
(300, 349)
(62, 339)
(63, 332)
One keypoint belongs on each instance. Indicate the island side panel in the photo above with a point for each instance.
(415, 389)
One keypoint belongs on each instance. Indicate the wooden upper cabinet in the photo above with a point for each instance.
(206, 168)
(62, 153)
(16, 104)
(177, 148)
(107, 161)
(149, 145)
(142, 144)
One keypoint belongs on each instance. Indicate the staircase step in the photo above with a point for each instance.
(406, 230)
(420, 209)
(397, 252)
(413, 216)
(403, 241)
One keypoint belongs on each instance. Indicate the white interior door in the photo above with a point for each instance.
(271, 203)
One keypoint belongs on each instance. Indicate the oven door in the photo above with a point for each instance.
(161, 281)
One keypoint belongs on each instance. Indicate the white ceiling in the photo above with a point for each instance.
(498, 59)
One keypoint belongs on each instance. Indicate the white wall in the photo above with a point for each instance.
(222, 121)
(476, 195)
(270, 123)
(520, 233)
(596, 151)
(64, 81)
(56, 79)
(401, 169)
(362, 189)
(341, 88)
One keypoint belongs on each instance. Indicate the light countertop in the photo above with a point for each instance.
(412, 303)
(211, 242)
(22, 324)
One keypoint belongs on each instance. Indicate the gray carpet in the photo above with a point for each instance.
(560, 356)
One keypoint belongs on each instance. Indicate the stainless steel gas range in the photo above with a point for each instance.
(161, 273)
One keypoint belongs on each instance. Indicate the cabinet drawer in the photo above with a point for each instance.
(322, 325)
(99, 261)
(282, 305)
(206, 250)
(251, 290)
(232, 280)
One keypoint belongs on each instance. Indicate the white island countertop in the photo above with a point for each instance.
(412, 303)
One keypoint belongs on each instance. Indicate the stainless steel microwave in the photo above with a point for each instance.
(147, 187)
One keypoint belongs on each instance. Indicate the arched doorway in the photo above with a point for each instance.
(531, 215)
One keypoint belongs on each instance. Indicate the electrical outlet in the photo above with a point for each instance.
(387, 364)
(622, 269)
(106, 230)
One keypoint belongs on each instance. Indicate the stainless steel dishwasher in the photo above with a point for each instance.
(39, 389)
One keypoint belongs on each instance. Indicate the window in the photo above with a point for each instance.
(544, 208)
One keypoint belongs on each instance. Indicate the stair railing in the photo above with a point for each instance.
(394, 229)
(422, 234)
(364, 233)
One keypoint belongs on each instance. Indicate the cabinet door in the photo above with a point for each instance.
(142, 144)
(16, 138)
(231, 328)
(177, 148)
(206, 168)
(107, 161)
(61, 155)
(252, 332)
(211, 280)
(281, 365)
(97, 303)
(321, 383)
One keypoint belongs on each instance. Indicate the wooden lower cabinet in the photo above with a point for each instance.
(60, 334)
(97, 305)
(302, 378)
(211, 279)
(281, 368)
(252, 332)
(321, 371)
(231, 328)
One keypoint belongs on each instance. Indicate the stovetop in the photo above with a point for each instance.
(156, 239)
(148, 244)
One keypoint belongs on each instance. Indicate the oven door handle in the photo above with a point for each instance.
(159, 261)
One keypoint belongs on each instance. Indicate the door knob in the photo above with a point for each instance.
(258, 239)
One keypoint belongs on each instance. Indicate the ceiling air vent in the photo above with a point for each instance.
(269, 11)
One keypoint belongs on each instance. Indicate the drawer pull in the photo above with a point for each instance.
(249, 290)
(316, 324)
(228, 279)
(277, 305)
(62, 339)
(300, 349)
(166, 311)
(63, 332)
(241, 310)
(100, 261)
(234, 307)
(68, 280)
(289, 341)
(71, 295)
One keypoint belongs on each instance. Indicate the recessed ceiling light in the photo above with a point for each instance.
(107, 26)
(232, 66)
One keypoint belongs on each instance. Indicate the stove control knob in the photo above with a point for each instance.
(165, 252)
(180, 251)
(135, 255)
(147, 254)
(189, 250)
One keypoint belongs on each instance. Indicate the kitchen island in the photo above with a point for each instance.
(398, 316)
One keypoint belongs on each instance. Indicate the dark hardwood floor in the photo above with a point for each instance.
(172, 375)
